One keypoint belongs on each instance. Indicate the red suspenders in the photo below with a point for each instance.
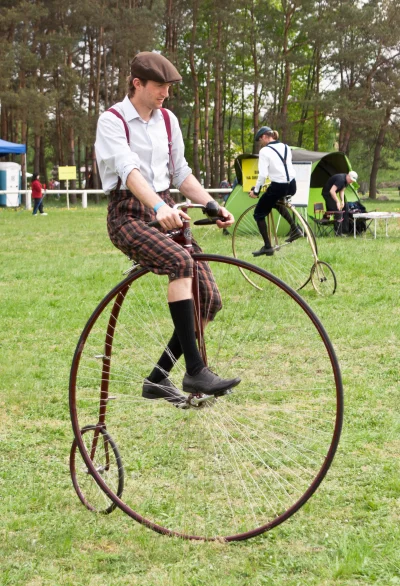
(167, 123)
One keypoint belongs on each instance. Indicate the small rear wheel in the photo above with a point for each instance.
(104, 454)
(323, 278)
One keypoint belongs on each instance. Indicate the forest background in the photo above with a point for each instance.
(325, 74)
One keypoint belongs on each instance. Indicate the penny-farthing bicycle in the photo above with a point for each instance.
(295, 262)
(224, 468)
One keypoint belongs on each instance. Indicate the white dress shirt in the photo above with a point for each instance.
(270, 165)
(148, 149)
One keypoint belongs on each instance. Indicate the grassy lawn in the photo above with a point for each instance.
(53, 272)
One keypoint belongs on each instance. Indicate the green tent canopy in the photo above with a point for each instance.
(324, 165)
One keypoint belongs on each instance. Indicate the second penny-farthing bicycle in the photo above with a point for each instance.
(224, 468)
(295, 262)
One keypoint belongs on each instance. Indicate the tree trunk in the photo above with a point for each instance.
(377, 152)
(288, 13)
(36, 159)
(196, 121)
(207, 165)
(71, 161)
(316, 106)
(217, 106)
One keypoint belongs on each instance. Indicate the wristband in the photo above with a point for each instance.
(158, 205)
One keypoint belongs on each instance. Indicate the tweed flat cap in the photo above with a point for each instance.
(154, 67)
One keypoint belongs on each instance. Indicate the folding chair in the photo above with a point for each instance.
(323, 225)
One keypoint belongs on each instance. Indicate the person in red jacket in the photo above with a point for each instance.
(37, 195)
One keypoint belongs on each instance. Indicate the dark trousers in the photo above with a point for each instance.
(331, 206)
(38, 205)
(269, 199)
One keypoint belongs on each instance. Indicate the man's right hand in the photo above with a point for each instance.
(170, 218)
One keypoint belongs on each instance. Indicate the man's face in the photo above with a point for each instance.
(153, 94)
(349, 179)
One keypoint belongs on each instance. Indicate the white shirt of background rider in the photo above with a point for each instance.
(270, 165)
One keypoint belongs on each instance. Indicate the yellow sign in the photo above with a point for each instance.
(66, 173)
(250, 173)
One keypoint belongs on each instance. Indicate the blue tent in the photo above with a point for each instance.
(11, 148)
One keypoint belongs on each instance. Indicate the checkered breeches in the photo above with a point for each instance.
(127, 224)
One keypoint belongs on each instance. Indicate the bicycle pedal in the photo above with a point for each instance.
(227, 392)
(201, 400)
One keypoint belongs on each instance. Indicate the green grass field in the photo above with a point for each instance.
(53, 272)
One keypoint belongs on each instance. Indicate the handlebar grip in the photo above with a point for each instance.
(154, 224)
(209, 221)
(205, 222)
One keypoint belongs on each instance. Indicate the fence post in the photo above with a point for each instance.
(28, 201)
(84, 199)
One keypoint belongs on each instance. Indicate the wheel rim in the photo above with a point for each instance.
(323, 278)
(291, 262)
(248, 462)
(108, 464)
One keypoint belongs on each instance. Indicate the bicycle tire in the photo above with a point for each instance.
(323, 278)
(292, 262)
(243, 464)
(85, 486)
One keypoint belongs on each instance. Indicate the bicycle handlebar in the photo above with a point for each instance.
(211, 210)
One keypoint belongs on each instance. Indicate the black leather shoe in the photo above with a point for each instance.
(208, 382)
(164, 390)
(294, 235)
(264, 250)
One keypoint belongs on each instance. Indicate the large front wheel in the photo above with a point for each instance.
(227, 469)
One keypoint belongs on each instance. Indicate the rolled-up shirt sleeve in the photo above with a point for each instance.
(263, 170)
(180, 168)
(260, 182)
(112, 150)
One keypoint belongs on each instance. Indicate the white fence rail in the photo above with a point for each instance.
(84, 192)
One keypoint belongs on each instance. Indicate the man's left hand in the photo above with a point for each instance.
(225, 214)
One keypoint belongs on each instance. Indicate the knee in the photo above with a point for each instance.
(182, 267)
(259, 216)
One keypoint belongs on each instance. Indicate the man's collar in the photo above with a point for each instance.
(130, 111)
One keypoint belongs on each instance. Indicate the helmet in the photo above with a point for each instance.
(263, 130)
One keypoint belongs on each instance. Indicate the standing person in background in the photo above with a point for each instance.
(275, 162)
(333, 194)
(37, 195)
(225, 185)
(140, 150)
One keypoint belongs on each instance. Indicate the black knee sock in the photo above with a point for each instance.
(284, 212)
(182, 314)
(167, 360)
(262, 227)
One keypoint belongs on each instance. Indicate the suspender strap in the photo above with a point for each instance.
(283, 159)
(167, 122)
(118, 115)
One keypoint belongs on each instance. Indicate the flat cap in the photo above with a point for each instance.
(154, 67)
(263, 130)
